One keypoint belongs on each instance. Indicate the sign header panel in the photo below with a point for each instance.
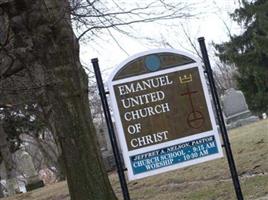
(163, 114)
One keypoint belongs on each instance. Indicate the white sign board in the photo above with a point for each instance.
(163, 113)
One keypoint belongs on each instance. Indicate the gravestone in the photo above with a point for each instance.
(9, 181)
(27, 168)
(1, 191)
(12, 186)
(103, 137)
(7, 171)
(106, 147)
(235, 109)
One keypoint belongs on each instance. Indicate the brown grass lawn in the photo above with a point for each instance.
(206, 181)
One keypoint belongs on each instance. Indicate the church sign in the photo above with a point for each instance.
(163, 113)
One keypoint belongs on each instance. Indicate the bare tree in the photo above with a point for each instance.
(225, 77)
(40, 64)
(93, 17)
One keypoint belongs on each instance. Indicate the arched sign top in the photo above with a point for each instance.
(151, 61)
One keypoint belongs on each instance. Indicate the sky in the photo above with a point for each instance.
(211, 22)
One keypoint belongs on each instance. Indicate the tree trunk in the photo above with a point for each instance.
(70, 110)
(44, 26)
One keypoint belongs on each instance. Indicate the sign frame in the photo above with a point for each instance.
(120, 131)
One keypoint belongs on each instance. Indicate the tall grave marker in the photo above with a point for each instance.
(163, 113)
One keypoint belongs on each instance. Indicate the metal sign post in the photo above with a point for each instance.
(223, 129)
(109, 122)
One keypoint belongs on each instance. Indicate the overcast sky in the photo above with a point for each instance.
(211, 24)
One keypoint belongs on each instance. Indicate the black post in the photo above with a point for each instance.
(109, 122)
(223, 129)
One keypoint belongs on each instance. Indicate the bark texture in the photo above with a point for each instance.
(40, 52)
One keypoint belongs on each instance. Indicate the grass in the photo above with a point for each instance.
(211, 180)
(206, 181)
(58, 191)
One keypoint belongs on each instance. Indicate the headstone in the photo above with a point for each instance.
(235, 109)
(27, 168)
(12, 186)
(108, 160)
(9, 181)
(7, 171)
(103, 137)
(2, 172)
(1, 191)
(106, 147)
